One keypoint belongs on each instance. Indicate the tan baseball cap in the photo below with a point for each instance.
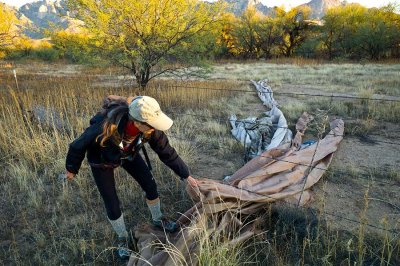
(146, 109)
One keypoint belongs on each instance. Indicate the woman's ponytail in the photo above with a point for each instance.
(113, 118)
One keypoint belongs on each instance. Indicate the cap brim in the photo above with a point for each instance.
(161, 122)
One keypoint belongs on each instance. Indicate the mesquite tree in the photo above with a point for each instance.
(141, 35)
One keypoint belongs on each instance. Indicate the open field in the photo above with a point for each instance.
(45, 221)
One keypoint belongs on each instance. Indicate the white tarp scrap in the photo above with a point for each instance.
(265, 93)
(264, 133)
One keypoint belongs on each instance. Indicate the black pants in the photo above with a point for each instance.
(104, 178)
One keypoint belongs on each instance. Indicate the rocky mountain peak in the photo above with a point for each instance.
(319, 7)
(239, 6)
(43, 13)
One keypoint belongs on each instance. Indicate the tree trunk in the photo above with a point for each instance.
(142, 75)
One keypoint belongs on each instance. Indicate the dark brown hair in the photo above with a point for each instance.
(111, 123)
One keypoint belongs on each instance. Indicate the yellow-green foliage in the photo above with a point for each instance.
(356, 31)
(294, 26)
(24, 47)
(145, 36)
(76, 47)
(254, 35)
(248, 34)
(142, 34)
(225, 40)
(351, 31)
(7, 26)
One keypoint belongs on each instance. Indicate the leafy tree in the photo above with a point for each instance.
(8, 30)
(140, 35)
(312, 47)
(355, 31)
(294, 26)
(76, 47)
(246, 33)
(379, 33)
(269, 35)
(252, 35)
(331, 31)
(339, 29)
(351, 16)
(226, 40)
(23, 46)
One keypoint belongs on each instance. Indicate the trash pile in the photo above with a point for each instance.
(283, 172)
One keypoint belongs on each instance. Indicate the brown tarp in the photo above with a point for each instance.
(284, 173)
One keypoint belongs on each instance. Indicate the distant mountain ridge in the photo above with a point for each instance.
(43, 14)
(319, 7)
(237, 7)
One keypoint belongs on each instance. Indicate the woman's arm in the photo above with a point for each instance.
(77, 149)
(167, 154)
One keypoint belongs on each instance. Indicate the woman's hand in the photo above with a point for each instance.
(69, 175)
(192, 182)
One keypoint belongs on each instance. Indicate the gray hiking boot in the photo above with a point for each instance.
(123, 252)
(166, 224)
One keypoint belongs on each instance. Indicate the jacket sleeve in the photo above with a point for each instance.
(77, 149)
(167, 154)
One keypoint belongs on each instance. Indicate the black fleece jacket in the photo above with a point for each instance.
(111, 153)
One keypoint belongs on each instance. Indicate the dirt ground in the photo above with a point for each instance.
(346, 193)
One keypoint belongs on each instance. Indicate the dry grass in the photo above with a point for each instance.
(51, 222)
(350, 78)
(45, 221)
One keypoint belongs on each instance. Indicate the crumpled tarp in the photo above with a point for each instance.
(263, 133)
(283, 173)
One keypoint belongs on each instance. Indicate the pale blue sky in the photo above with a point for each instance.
(287, 3)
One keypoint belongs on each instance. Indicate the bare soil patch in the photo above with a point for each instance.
(356, 153)
(58, 70)
(346, 199)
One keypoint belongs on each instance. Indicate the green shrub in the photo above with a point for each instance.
(46, 54)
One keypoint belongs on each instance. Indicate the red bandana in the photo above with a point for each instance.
(130, 129)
